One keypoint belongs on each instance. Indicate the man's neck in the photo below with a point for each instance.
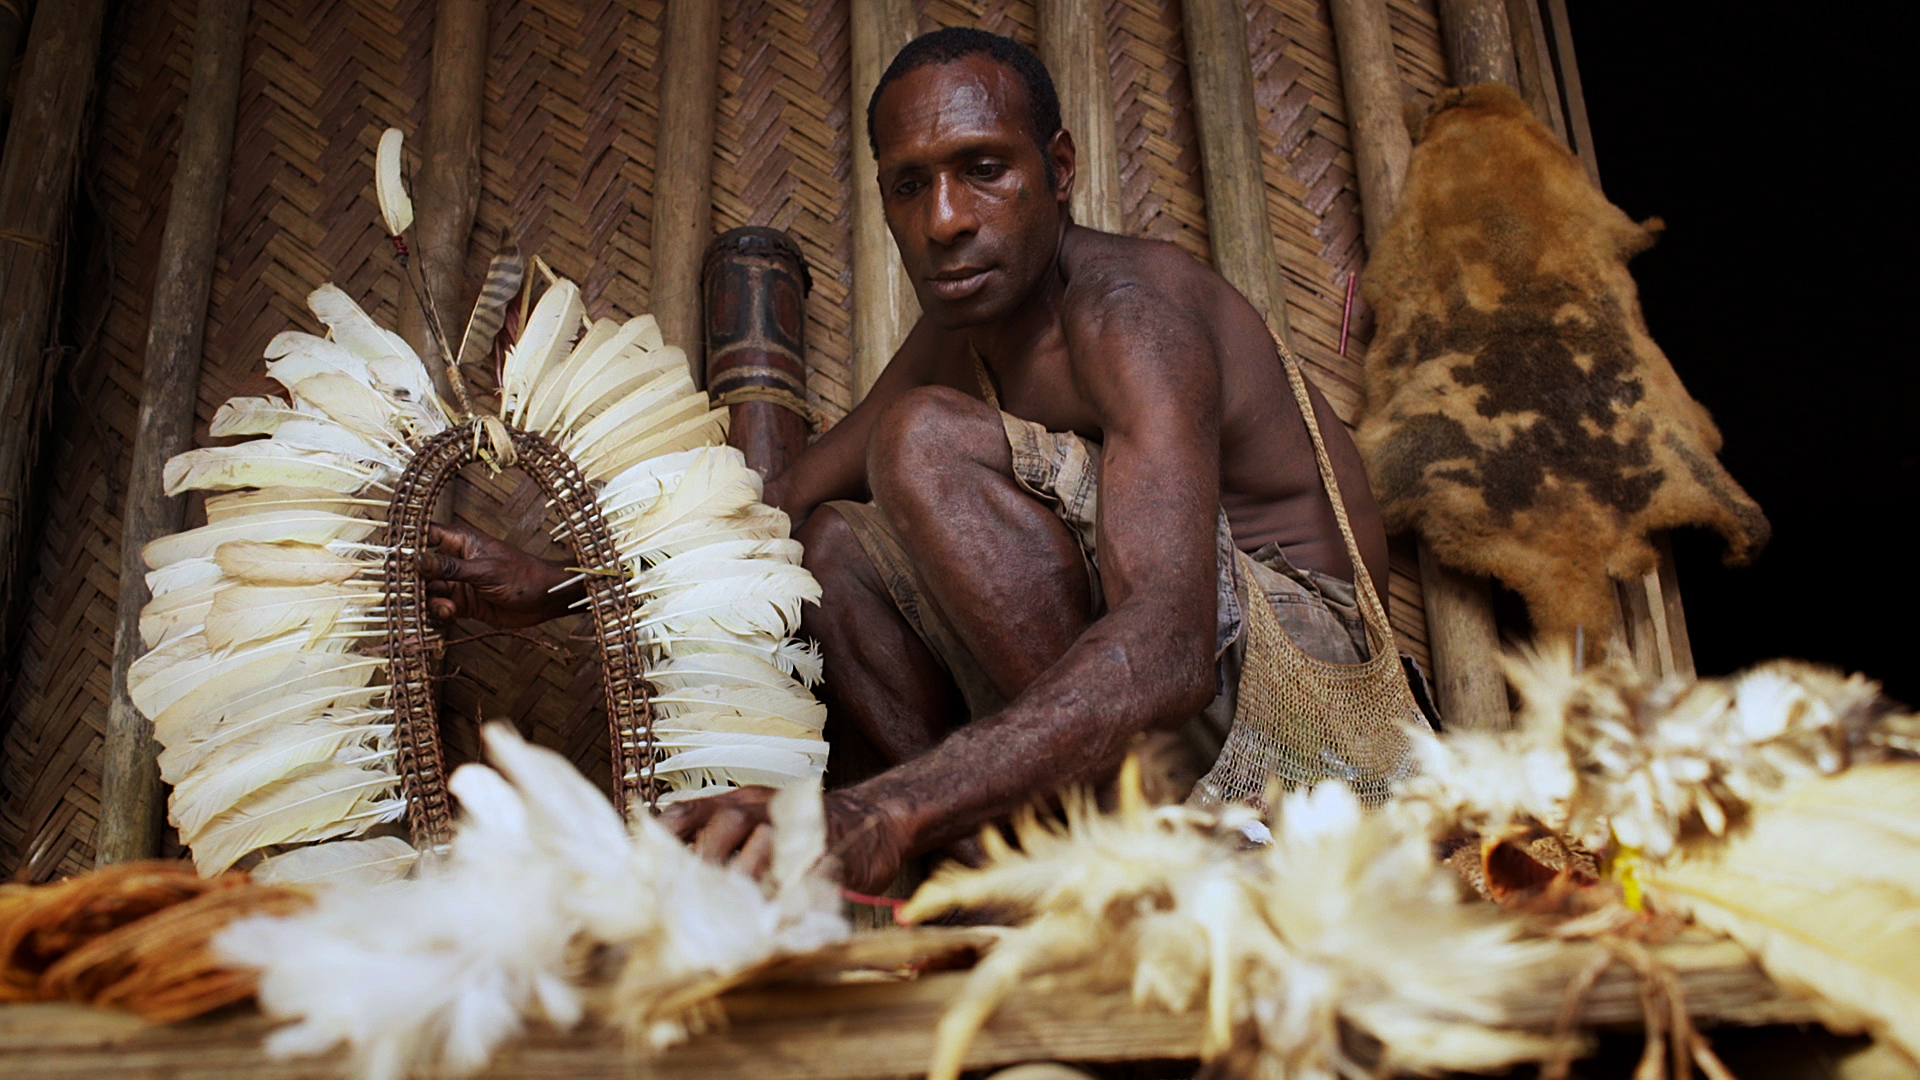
(1008, 343)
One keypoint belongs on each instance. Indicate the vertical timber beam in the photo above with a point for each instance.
(131, 799)
(1461, 632)
(1221, 67)
(447, 190)
(1073, 45)
(884, 307)
(37, 180)
(1478, 41)
(683, 175)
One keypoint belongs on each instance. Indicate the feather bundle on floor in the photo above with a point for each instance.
(1780, 807)
(275, 728)
(1343, 920)
(434, 973)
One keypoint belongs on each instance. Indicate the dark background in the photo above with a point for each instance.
(1770, 136)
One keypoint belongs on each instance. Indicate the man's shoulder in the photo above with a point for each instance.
(1097, 263)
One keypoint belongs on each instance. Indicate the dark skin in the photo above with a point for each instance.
(1130, 343)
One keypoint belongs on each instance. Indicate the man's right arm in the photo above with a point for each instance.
(835, 466)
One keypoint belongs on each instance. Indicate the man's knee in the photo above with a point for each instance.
(832, 549)
(926, 436)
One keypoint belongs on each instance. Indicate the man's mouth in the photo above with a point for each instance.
(958, 284)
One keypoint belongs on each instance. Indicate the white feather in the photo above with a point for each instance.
(548, 334)
(396, 209)
(789, 703)
(247, 613)
(308, 430)
(357, 405)
(168, 673)
(286, 563)
(181, 574)
(345, 863)
(396, 371)
(265, 463)
(179, 612)
(700, 427)
(544, 398)
(260, 758)
(259, 500)
(315, 803)
(765, 602)
(302, 526)
(190, 736)
(605, 375)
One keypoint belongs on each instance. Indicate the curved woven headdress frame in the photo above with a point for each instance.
(414, 639)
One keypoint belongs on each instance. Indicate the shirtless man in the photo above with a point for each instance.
(1081, 639)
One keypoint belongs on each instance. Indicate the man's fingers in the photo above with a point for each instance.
(756, 855)
(723, 834)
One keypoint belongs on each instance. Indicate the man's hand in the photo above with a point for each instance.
(735, 828)
(473, 576)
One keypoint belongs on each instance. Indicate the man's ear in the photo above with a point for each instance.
(1064, 155)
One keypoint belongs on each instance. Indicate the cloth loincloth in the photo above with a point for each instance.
(1319, 612)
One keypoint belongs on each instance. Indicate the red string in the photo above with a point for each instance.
(891, 903)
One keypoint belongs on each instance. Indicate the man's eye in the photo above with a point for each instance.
(987, 170)
(906, 188)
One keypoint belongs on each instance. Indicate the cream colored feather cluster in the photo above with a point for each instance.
(1343, 920)
(718, 580)
(1609, 757)
(1780, 807)
(273, 729)
(431, 975)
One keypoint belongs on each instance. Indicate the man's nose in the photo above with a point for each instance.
(952, 217)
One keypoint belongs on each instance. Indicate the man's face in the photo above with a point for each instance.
(965, 192)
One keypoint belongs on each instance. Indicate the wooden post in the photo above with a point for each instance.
(1073, 44)
(1479, 43)
(1221, 68)
(683, 174)
(884, 307)
(130, 794)
(1533, 65)
(447, 188)
(1461, 634)
(36, 187)
(756, 282)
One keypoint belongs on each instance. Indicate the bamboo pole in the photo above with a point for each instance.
(1221, 68)
(683, 189)
(884, 307)
(130, 793)
(1533, 65)
(1462, 636)
(1073, 45)
(37, 177)
(1479, 43)
(447, 188)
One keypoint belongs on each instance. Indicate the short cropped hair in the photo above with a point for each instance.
(953, 43)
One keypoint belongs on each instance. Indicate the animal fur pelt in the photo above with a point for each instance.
(1518, 414)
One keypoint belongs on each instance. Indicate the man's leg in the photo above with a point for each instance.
(879, 674)
(1004, 569)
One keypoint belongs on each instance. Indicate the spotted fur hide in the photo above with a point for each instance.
(1518, 415)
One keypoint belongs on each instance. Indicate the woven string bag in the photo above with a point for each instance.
(1299, 719)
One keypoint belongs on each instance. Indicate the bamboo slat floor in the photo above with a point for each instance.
(842, 1031)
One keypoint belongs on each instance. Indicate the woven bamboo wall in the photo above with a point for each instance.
(567, 157)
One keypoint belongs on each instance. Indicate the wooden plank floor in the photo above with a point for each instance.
(849, 1031)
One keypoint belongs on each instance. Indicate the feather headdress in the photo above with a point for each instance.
(278, 719)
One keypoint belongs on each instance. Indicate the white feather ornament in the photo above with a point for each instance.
(390, 189)
(179, 612)
(161, 677)
(395, 370)
(252, 501)
(544, 396)
(181, 574)
(195, 738)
